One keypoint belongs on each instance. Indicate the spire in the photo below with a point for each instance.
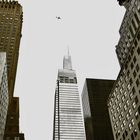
(67, 64)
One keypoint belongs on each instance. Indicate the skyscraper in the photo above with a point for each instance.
(4, 98)
(124, 99)
(68, 119)
(10, 34)
(94, 99)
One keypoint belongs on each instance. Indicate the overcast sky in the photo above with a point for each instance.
(90, 29)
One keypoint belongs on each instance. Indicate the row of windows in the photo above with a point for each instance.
(126, 38)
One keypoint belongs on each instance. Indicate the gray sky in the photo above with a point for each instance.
(90, 29)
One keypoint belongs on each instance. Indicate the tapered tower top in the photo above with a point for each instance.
(67, 64)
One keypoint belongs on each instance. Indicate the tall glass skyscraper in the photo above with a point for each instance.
(68, 117)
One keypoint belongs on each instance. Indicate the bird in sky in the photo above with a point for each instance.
(58, 18)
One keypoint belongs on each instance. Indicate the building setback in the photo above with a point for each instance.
(94, 100)
(124, 100)
(4, 98)
(10, 34)
(68, 119)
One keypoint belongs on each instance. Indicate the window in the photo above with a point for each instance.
(125, 94)
(138, 50)
(124, 122)
(134, 25)
(136, 43)
(132, 65)
(127, 116)
(133, 90)
(122, 114)
(131, 31)
(125, 107)
(134, 73)
(128, 73)
(139, 126)
(126, 133)
(137, 67)
(138, 36)
(122, 127)
(123, 99)
(134, 105)
(123, 136)
(132, 136)
(136, 115)
(127, 102)
(120, 105)
(128, 87)
(139, 110)
(134, 59)
(132, 121)
(135, 132)
(120, 117)
(130, 111)
(137, 82)
(136, 100)
(130, 81)
(130, 126)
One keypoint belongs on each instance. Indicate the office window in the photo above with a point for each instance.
(127, 102)
(138, 36)
(126, 133)
(137, 67)
(134, 59)
(139, 126)
(132, 137)
(120, 105)
(123, 99)
(130, 126)
(139, 110)
(132, 121)
(134, 73)
(125, 107)
(130, 112)
(134, 25)
(137, 82)
(130, 81)
(132, 65)
(122, 114)
(122, 127)
(138, 50)
(135, 132)
(131, 31)
(134, 105)
(133, 90)
(136, 115)
(124, 122)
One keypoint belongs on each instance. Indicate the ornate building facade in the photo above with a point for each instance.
(124, 100)
(10, 34)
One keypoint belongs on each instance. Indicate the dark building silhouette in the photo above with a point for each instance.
(10, 34)
(124, 99)
(94, 99)
(68, 119)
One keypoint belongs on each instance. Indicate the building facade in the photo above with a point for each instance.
(68, 118)
(4, 98)
(10, 34)
(96, 117)
(124, 100)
